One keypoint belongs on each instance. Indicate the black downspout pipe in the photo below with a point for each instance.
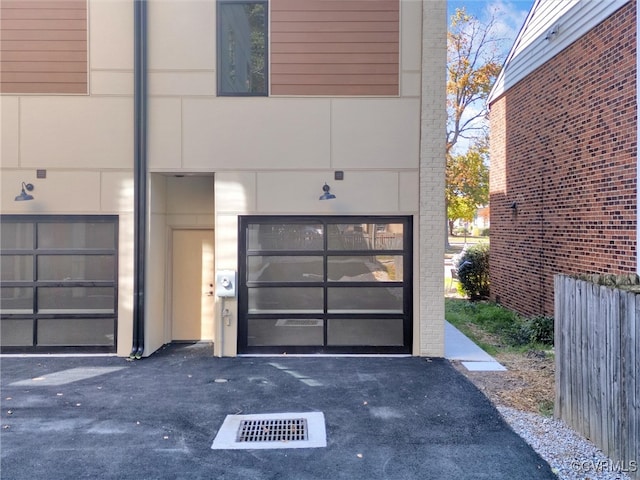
(139, 174)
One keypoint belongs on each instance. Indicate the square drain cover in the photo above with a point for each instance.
(275, 430)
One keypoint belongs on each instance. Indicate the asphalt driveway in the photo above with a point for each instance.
(156, 418)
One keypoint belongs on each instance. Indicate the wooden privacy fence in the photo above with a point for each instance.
(597, 347)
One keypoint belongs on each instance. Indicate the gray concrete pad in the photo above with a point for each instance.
(457, 346)
(156, 418)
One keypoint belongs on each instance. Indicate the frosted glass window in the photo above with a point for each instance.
(16, 333)
(364, 299)
(76, 235)
(365, 331)
(16, 300)
(290, 331)
(16, 268)
(285, 269)
(76, 267)
(76, 332)
(71, 299)
(285, 299)
(17, 236)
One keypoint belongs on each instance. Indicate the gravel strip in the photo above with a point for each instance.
(570, 455)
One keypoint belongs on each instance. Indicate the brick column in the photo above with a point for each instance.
(432, 178)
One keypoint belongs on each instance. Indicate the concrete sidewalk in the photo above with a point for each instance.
(459, 347)
(386, 418)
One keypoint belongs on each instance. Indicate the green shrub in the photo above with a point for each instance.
(517, 334)
(480, 232)
(541, 329)
(473, 271)
(460, 231)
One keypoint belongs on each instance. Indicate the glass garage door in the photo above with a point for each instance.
(325, 285)
(59, 283)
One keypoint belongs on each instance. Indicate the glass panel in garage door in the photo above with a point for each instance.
(365, 331)
(76, 235)
(285, 331)
(76, 267)
(284, 269)
(16, 268)
(75, 331)
(16, 300)
(285, 236)
(369, 268)
(285, 299)
(16, 236)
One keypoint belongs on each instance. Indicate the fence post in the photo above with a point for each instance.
(558, 327)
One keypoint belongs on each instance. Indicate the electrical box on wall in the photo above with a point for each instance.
(226, 283)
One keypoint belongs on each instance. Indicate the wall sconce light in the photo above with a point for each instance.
(327, 195)
(24, 195)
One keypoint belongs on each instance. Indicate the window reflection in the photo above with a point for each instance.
(285, 269)
(365, 236)
(76, 267)
(242, 48)
(360, 268)
(285, 237)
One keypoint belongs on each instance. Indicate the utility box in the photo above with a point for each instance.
(226, 283)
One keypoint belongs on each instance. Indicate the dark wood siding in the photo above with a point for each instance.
(335, 47)
(43, 46)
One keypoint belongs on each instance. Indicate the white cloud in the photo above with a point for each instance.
(510, 17)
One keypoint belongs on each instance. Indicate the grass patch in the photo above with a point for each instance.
(528, 383)
(492, 327)
(546, 407)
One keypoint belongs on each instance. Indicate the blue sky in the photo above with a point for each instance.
(510, 14)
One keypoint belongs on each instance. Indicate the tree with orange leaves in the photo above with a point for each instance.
(473, 64)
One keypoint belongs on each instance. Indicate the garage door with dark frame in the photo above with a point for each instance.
(314, 284)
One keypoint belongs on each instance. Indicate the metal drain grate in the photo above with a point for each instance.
(278, 430)
(271, 430)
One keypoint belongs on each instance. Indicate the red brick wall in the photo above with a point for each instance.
(563, 148)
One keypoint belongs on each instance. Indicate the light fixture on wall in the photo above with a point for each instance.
(327, 195)
(23, 194)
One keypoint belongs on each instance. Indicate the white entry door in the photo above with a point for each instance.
(193, 299)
